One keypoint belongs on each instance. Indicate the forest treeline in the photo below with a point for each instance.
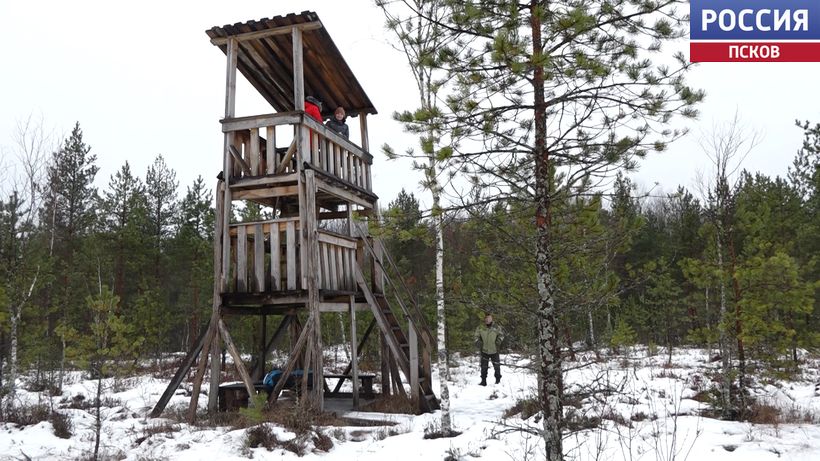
(733, 265)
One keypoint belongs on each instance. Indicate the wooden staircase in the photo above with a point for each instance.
(410, 345)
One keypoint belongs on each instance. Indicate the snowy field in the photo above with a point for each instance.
(622, 408)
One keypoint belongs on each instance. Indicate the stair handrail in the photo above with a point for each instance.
(418, 318)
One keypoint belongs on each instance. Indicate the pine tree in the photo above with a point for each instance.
(125, 211)
(69, 215)
(192, 259)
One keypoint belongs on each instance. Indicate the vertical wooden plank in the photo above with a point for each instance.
(253, 151)
(314, 149)
(242, 258)
(334, 159)
(259, 257)
(414, 364)
(275, 258)
(333, 274)
(312, 271)
(270, 149)
(339, 251)
(368, 181)
(350, 223)
(298, 71)
(328, 279)
(343, 173)
(354, 353)
(340, 268)
(290, 259)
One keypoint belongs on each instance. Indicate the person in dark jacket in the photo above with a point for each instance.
(337, 123)
(488, 339)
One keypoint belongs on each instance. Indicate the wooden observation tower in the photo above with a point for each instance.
(315, 256)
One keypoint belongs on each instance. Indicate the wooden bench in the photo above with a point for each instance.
(365, 390)
(234, 396)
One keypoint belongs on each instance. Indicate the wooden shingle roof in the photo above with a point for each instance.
(267, 63)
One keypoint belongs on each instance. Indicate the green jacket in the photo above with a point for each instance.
(488, 340)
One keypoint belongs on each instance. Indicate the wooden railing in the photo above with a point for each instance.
(255, 150)
(266, 258)
(336, 156)
(337, 254)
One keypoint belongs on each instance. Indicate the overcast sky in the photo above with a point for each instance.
(143, 79)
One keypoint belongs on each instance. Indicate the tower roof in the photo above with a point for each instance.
(265, 58)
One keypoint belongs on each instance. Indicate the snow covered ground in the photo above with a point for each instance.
(646, 409)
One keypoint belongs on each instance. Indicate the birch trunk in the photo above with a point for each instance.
(446, 423)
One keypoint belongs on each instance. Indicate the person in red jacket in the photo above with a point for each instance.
(313, 107)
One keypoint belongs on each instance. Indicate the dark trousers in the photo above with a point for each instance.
(485, 359)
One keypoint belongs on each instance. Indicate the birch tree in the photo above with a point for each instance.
(19, 250)
(422, 41)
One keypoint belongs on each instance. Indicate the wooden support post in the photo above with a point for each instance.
(394, 373)
(292, 360)
(295, 334)
(385, 365)
(306, 371)
(263, 350)
(180, 374)
(311, 268)
(359, 349)
(230, 109)
(354, 353)
(200, 370)
(298, 71)
(258, 369)
(237, 360)
(414, 364)
(363, 127)
(220, 232)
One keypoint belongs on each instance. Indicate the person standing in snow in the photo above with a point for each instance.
(337, 123)
(488, 339)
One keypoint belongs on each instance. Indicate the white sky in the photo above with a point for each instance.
(142, 79)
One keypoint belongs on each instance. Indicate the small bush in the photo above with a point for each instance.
(61, 424)
(26, 415)
(322, 442)
(162, 428)
(575, 421)
(261, 436)
(526, 407)
(762, 413)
